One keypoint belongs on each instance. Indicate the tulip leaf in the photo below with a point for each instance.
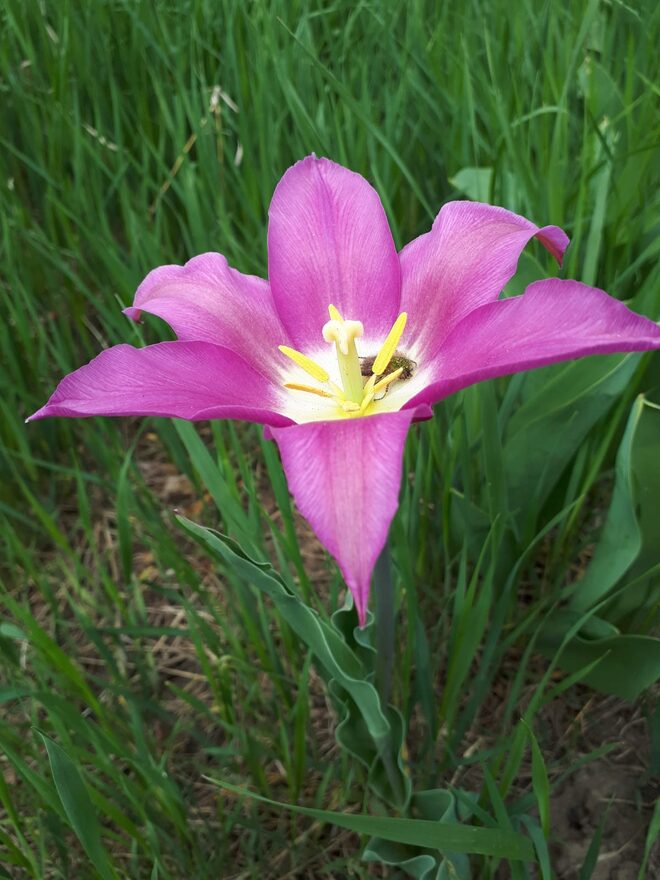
(388, 777)
(560, 406)
(78, 806)
(426, 833)
(340, 662)
(616, 662)
(631, 535)
(438, 805)
(623, 664)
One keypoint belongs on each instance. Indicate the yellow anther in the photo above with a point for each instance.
(392, 377)
(348, 406)
(307, 364)
(334, 313)
(388, 348)
(295, 386)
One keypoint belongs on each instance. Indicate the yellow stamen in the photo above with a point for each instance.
(360, 394)
(336, 390)
(369, 387)
(308, 365)
(367, 400)
(295, 386)
(392, 377)
(388, 348)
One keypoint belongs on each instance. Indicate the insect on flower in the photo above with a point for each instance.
(348, 342)
(399, 364)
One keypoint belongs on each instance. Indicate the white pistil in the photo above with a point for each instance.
(343, 334)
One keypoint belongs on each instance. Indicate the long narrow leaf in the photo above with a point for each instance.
(78, 806)
(415, 832)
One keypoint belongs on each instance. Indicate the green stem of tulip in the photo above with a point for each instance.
(385, 628)
(385, 632)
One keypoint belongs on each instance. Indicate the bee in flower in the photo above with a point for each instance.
(348, 342)
(399, 364)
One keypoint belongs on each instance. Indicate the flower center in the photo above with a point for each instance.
(355, 395)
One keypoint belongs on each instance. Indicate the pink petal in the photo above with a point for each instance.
(329, 242)
(207, 301)
(187, 380)
(464, 262)
(345, 477)
(552, 321)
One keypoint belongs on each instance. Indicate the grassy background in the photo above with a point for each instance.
(135, 134)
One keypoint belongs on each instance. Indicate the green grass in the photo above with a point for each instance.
(136, 134)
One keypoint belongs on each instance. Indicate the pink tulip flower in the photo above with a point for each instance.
(348, 342)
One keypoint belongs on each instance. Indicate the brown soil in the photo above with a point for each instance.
(615, 790)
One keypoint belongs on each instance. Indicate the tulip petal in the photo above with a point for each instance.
(207, 301)
(552, 321)
(464, 262)
(187, 380)
(329, 242)
(345, 477)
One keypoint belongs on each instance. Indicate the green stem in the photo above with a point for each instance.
(385, 625)
(385, 632)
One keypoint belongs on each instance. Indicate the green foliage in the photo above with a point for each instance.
(136, 134)
(375, 734)
(78, 807)
(628, 545)
(622, 663)
(449, 836)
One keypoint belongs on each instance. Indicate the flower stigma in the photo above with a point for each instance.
(355, 395)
